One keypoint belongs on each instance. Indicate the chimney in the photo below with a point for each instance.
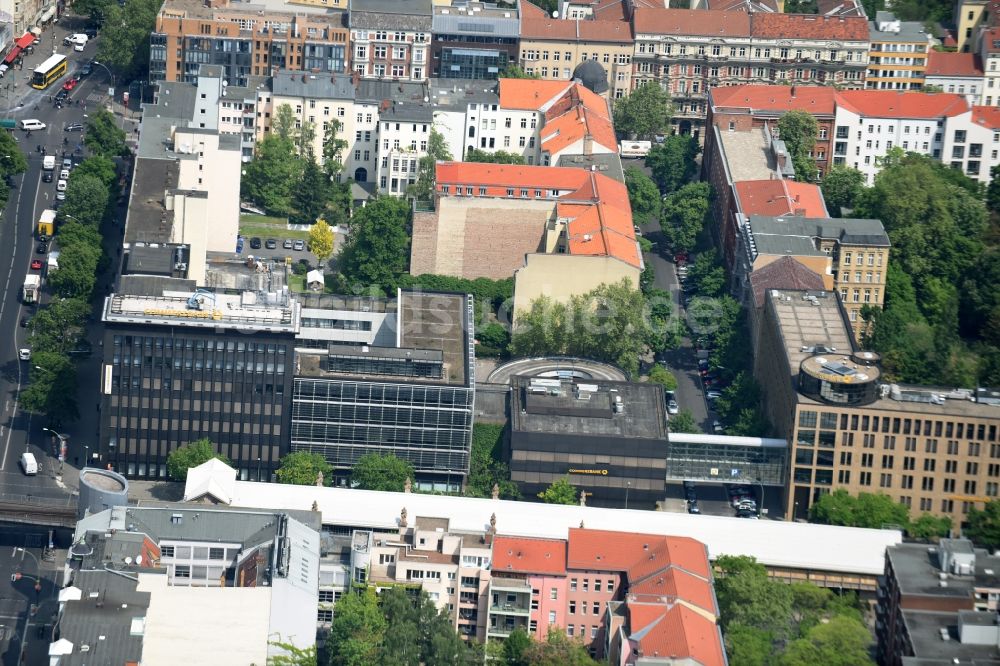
(793, 92)
(588, 144)
(800, 212)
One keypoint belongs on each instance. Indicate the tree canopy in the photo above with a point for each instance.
(126, 27)
(321, 241)
(375, 471)
(799, 129)
(683, 421)
(560, 491)
(377, 251)
(672, 162)
(841, 187)
(487, 466)
(494, 157)
(183, 458)
(51, 388)
(104, 137)
(643, 113)
(302, 468)
(643, 196)
(516, 71)
(984, 525)
(437, 151)
(683, 215)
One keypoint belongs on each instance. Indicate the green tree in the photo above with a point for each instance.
(377, 250)
(124, 43)
(673, 162)
(683, 215)
(86, 199)
(333, 149)
(183, 458)
(748, 646)
(51, 387)
(97, 166)
(437, 151)
(642, 196)
(310, 197)
(294, 656)
(560, 491)
(873, 510)
(928, 526)
(984, 525)
(557, 649)
(515, 648)
(321, 241)
(12, 160)
(660, 375)
(495, 157)
(357, 631)
(512, 71)
(375, 471)
(268, 178)
(993, 191)
(95, 9)
(840, 641)
(58, 327)
(486, 465)
(302, 468)
(799, 129)
(493, 339)
(748, 597)
(77, 271)
(103, 137)
(683, 421)
(643, 113)
(841, 187)
(401, 644)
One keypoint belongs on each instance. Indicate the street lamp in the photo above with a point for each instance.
(628, 485)
(258, 468)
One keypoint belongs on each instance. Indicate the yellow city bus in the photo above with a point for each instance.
(49, 72)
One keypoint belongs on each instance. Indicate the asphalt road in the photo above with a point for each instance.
(19, 432)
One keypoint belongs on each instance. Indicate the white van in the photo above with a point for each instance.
(79, 40)
(29, 464)
(31, 124)
(49, 162)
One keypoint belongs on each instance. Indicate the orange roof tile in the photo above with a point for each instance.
(510, 175)
(943, 63)
(523, 555)
(702, 22)
(780, 197)
(902, 104)
(817, 100)
(589, 30)
(570, 127)
(530, 11)
(530, 94)
(617, 551)
(678, 632)
(808, 26)
(986, 116)
(675, 584)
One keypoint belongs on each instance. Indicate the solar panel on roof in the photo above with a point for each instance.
(476, 27)
(840, 369)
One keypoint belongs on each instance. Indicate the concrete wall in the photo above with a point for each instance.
(560, 276)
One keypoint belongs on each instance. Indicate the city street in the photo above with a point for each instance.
(19, 432)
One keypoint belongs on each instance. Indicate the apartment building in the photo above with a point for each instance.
(898, 56)
(225, 580)
(938, 605)
(970, 17)
(931, 449)
(473, 40)
(852, 256)
(989, 56)
(552, 47)
(391, 40)
(529, 587)
(246, 40)
(960, 74)
(692, 51)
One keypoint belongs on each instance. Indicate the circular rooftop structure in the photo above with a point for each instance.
(100, 489)
(839, 379)
(556, 367)
(593, 76)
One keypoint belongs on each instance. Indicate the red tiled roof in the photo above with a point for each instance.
(568, 128)
(522, 555)
(780, 197)
(986, 116)
(817, 100)
(675, 631)
(675, 583)
(530, 94)
(943, 63)
(785, 273)
(589, 30)
(808, 26)
(702, 22)
(530, 11)
(902, 104)
(617, 551)
(510, 175)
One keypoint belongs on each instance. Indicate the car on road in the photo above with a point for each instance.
(74, 127)
(24, 354)
(67, 163)
(61, 184)
(718, 428)
(255, 243)
(42, 248)
(62, 94)
(299, 245)
(673, 408)
(70, 84)
(36, 264)
(64, 174)
(693, 507)
(86, 69)
(270, 244)
(31, 125)
(713, 394)
(24, 322)
(47, 177)
(287, 244)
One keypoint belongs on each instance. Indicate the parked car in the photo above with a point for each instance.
(86, 69)
(47, 177)
(637, 230)
(287, 244)
(718, 428)
(713, 394)
(42, 248)
(750, 515)
(299, 245)
(270, 244)
(255, 243)
(680, 258)
(693, 507)
(672, 407)
(67, 163)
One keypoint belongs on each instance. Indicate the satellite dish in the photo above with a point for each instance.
(555, 14)
(138, 559)
(128, 561)
(224, 83)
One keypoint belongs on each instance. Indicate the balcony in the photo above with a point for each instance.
(510, 609)
(509, 585)
(504, 630)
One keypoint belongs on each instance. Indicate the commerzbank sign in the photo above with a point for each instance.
(598, 472)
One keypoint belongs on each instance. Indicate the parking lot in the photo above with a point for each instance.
(714, 500)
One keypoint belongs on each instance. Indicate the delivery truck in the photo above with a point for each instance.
(32, 282)
(47, 223)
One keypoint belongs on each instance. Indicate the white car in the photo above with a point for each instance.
(64, 174)
(61, 184)
(717, 428)
(672, 407)
(24, 354)
(713, 395)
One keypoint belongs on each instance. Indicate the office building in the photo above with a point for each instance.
(247, 39)
(391, 40)
(851, 255)
(938, 605)
(899, 51)
(473, 40)
(412, 397)
(608, 438)
(961, 74)
(931, 449)
(178, 584)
